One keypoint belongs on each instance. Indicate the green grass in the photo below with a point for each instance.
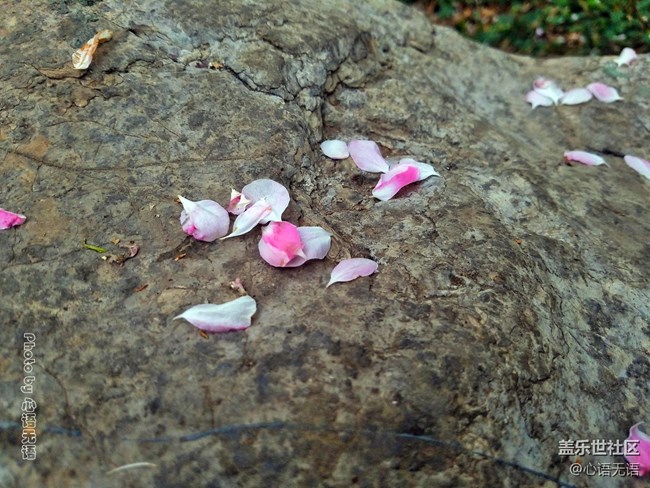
(548, 28)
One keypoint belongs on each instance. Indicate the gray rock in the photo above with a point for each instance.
(511, 306)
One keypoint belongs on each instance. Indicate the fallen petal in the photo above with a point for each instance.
(250, 218)
(638, 454)
(627, 57)
(9, 219)
(350, 269)
(238, 202)
(537, 100)
(335, 149)
(205, 220)
(233, 315)
(280, 243)
(548, 88)
(316, 243)
(367, 156)
(641, 166)
(83, 56)
(404, 173)
(604, 93)
(583, 157)
(275, 195)
(576, 96)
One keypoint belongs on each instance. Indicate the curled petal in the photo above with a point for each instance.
(641, 166)
(604, 93)
(583, 157)
(275, 195)
(404, 173)
(537, 100)
(252, 216)
(576, 96)
(205, 220)
(335, 149)
(548, 88)
(238, 202)
(350, 269)
(280, 243)
(627, 57)
(367, 156)
(9, 219)
(233, 315)
(638, 451)
(83, 56)
(316, 243)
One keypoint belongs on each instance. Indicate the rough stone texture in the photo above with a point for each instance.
(510, 311)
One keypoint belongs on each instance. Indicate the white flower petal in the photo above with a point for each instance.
(537, 100)
(604, 93)
(335, 149)
(273, 193)
(205, 220)
(627, 57)
(576, 96)
(584, 157)
(367, 156)
(350, 269)
(639, 165)
(252, 216)
(548, 88)
(233, 315)
(316, 244)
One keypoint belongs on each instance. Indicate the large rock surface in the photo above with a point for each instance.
(511, 306)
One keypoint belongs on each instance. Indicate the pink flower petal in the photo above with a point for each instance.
(576, 96)
(335, 149)
(9, 219)
(316, 244)
(641, 166)
(280, 243)
(537, 100)
(238, 202)
(350, 269)
(205, 220)
(404, 173)
(584, 157)
(367, 156)
(252, 216)
(273, 193)
(627, 57)
(604, 93)
(233, 315)
(640, 454)
(548, 88)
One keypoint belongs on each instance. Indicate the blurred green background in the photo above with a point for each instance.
(548, 28)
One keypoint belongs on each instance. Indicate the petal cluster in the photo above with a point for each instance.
(367, 156)
(640, 455)
(9, 219)
(284, 245)
(233, 315)
(546, 93)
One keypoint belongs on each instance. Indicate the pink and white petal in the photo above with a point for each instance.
(627, 57)
(205, 220)
(280, 243)
(252, 216)
(238, 202)
(316, 244)
(604, 93)
(397, 178)
(548, 88)
(367, 156)
(273, 193)
(537, 100)
(233, 315)
(9, 219)
(639, 165)
(350, 269)
(335, 149)
(425, 170)
(576, 96)
(584, 157)
(641, 454)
